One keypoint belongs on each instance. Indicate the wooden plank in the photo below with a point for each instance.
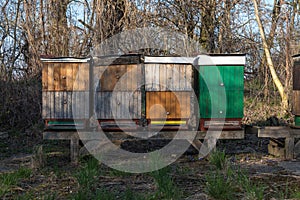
(296, 101)
(111, 76)
(59, 135)
(155, 108)
(289, 147)
(66, 102)
(171, 134)
(98, 73)
(56, 76)
(196, 144)
(82, 77)
(120, 78)
(297, 150)
(277, 132)
(155, 77)
(274, 132)
(166, 77)
(46, 99)
(74, 150)
(63, 77)
(85, 135)
(45, 77)
(68, 106)
(119, 104)
(81, 74)
(69, 77)
(131, 80)
(177, 104)
(177, 81)
(148, 83)
(184, 104)
(171, 105)
(59, 105)
(50, 77)
(163, 79)
(56, 105)
(152, 76)
(296, 75)
(189, 77)
(80, 102)
(75, 69)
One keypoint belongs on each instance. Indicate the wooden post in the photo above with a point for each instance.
(74, 150)
(289, 148)
(196, 144)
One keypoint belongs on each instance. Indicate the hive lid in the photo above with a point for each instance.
(65, 59)
(221, 59)
(169, 60)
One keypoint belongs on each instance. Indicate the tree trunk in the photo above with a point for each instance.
(276, 80)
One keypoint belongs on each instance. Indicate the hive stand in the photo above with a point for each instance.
(118, 137)
(289, 133)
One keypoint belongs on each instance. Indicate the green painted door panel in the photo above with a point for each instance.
(233, 77)
(221, 90)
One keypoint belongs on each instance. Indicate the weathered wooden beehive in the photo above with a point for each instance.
(66, 86)
(221, 90)
(136, 90)
(296, 89)
(169, 83)
(118, 95)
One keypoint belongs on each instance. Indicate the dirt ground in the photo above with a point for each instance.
(188, 173)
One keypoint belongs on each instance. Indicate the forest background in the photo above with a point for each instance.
(31, 28)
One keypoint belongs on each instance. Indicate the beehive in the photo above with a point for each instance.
(169, 90)
(117, 85)
(132, 89)
(221, 90)
(296, 89)
(65, 92)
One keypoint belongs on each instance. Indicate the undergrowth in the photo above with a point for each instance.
(226, 183)
(10, 180)
(166, 187)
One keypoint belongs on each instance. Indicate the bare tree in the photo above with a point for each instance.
(281, 89)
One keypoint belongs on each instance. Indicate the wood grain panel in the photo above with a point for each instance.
(118, 78)
(56, 76)
(50, 77)
(82, 77)
(45, 77)
(168, 77)
(296, 75)
(65, 77)
(65, 105)
(118, 105)
(296, 102)
(69, 77)
(169, 105)
(111, 76)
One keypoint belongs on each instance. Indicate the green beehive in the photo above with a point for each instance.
(296, 89)
(221, 90)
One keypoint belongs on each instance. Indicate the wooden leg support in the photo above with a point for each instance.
(197, 144)
(208, 143)
(289, 148)
(282, 132)
(74, 150)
